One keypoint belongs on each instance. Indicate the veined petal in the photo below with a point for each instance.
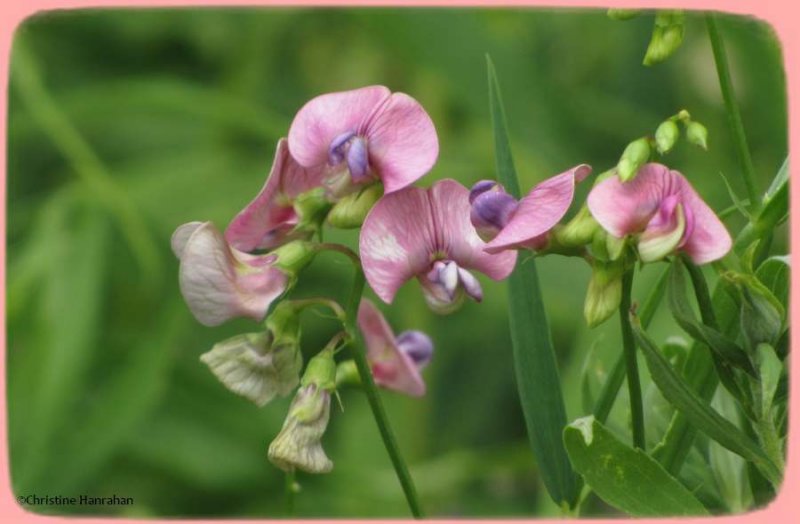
(623, 208)
(455, 236)
(266, 220)
(181, 236)
(328, 116)
(219, 283)
(396, 240)
(539, 210)
(391, 368)
(403, 144)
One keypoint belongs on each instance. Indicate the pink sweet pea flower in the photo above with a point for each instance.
(395, 361)
(219, 282)
(363, 135)
(662, 206)
(269, 220)
(505, 223)
(427, 234)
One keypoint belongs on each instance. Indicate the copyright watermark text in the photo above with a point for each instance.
(80, 500)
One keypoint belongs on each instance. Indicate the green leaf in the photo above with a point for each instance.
(626, 478)
(774, 273)
(729, 469)
(534, 360)
(775, 207)
(700, 414)
(770, 368)
(679, 305)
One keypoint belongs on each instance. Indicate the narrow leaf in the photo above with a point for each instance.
(697, 411)
(534, 360)
(626, 478)
(775, 206)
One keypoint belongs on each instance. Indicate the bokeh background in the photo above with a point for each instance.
(124, 124)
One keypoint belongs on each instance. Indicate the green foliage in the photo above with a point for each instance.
(625, 477)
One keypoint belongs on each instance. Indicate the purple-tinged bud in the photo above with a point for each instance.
(471, 284)
(416, 345)
(491, 211)
(336, 151)
(445, 284)
(448, 276)
(481, 187)
(358, 159)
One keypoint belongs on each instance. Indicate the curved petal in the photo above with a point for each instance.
(456, 238)
(397, 240)
(623, 208)
(391, 368)
(269, 217)
(327, 116)
(181, 236)
(219, 283)
(403, 145)
(709, 239)
(539, 210)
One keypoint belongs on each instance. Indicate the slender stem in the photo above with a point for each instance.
(334, 306)
(631, 365)
(378, 411)
(608, 394)
(290, 480)
(339, 248)
(734, 116)
(702, 294)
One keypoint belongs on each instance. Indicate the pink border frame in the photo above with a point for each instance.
(780, 14)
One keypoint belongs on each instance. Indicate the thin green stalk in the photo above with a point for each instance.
(290, 479)
(378, 411)
(703, 295)
(734, 116)
(631, 365)
(610, 389)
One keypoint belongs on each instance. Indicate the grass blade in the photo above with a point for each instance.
(534, 360)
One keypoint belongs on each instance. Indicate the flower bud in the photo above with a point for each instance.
(697, 134)
(298, 445)
(352, 209)
(635, 156)
(667, 134)
(579, 231)
(761, 313)
(347, 374)
(254, 366)
(623, 14)
(283, 323)
(311, 208)
(667, 37)
(321, 371)
(604, 293)
(294, 256)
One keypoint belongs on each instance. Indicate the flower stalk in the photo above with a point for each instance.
(631, 365)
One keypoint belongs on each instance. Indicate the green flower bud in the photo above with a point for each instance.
(667, 37)
(579, 231)
(666, 135)
(311, 208)
(697, 134)
(623, 14)
(321, 371)
(605, 292)
(347, 374)
(636, 154)
(294, 256)
(253, 366)
(351, 210)
(283, 323)
(298, 445)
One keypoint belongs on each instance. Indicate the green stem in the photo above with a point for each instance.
(631, 365)
(378, 411)
(290, 480)
(734, 116)
(702, 294)
(610, 389)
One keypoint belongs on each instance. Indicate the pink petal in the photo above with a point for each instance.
(268, 219)
(709, 239)
(539, 211)
(396, 240)
(455, 236)
(181, 236)
(391, 368)
(625, 208)
(219, 283)
(327, 116)
(403, 145)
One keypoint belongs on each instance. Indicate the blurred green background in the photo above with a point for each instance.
(124, 124)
